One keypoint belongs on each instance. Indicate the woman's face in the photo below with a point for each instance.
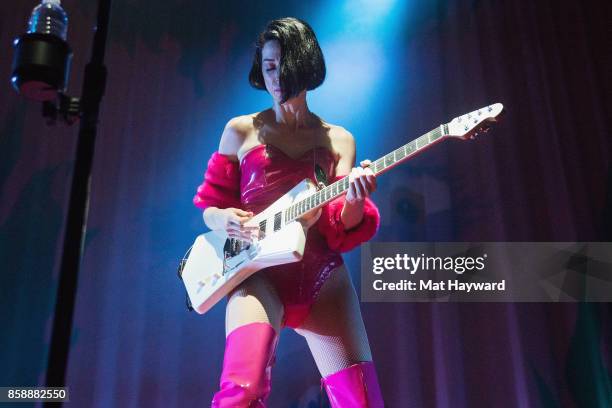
(270, 67)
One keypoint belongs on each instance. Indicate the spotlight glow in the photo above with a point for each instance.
(367, 13)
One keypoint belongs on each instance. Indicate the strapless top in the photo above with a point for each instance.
(266, 173)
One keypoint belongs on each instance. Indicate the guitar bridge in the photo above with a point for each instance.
(236, 252)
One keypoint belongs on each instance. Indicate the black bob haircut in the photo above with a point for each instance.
(302, 66)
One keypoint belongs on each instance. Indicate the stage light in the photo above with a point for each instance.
(41, 62)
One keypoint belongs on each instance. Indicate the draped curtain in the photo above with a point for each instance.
(177, 73)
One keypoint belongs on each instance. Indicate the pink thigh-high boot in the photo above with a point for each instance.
(247, 367)
(354, 387)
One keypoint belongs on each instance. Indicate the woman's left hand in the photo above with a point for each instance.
(362, 183)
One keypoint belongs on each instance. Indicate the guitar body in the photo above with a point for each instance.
(217, 264)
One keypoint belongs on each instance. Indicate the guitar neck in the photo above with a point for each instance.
(379, 166)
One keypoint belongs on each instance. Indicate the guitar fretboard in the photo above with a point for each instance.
(326, 194)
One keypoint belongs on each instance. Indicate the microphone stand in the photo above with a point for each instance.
(94, 83)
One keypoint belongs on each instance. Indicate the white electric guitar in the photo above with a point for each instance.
(216, 264)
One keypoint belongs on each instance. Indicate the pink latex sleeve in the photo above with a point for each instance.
(339, 239)
(221, 186)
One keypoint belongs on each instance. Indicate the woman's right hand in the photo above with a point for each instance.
(231, 220)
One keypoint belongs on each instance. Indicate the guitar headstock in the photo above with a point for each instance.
(476, 122)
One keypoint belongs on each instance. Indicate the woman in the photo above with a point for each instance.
(261, 156)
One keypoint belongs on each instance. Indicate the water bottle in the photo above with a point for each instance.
(49, 18)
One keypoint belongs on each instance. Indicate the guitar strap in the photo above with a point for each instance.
(320, 175)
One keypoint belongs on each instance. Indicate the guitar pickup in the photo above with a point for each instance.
(277, 221)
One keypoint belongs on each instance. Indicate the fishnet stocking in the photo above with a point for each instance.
(334, 329)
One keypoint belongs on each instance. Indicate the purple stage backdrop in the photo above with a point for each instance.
(178, 71)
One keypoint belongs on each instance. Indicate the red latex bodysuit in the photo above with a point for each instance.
(264, 174)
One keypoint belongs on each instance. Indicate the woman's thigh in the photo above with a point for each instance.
(334, 328)
(253, 301)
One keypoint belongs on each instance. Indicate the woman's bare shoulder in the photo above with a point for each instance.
(343, 145)
(236, 132)
(341, 139)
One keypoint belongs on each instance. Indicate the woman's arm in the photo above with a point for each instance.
(233, 136)
(223, 171)
(362, 179)
(351, 219)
